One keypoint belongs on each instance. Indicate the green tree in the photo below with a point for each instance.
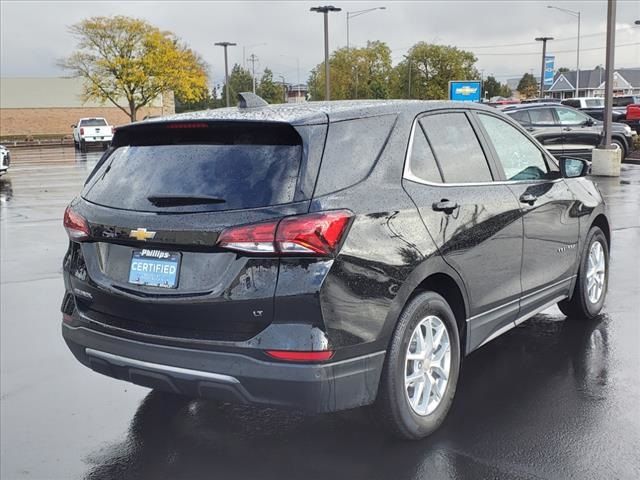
(528, 86)
(269, 90)
(355, 73)
(563, 70)
(127, 60)
(427, 70)
(240, 80)
(494, 88)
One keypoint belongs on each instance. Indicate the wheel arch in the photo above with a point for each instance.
(436, 276)
(601, 222)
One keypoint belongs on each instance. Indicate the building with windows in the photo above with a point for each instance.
(626, 81)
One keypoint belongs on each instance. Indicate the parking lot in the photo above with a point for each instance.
(550, 399)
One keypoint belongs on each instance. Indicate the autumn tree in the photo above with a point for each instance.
(355, 73)
(528, 86)
(127, 60)
(427, 69)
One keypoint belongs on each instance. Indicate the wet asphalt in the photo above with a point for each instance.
(553, 398)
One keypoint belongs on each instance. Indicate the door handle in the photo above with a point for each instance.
(444, 205)
(528, 198)
(530, 129)
(567, 129)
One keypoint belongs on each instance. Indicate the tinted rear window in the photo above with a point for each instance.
(232, 176)
(521, 116)
(456, 148)
(93, 122)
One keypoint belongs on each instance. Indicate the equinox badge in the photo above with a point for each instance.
(142, 234)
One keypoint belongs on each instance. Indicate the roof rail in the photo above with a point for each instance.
(250, 100)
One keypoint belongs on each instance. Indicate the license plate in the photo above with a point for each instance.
(154, 268)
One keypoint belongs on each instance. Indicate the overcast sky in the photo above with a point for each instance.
(283, 34)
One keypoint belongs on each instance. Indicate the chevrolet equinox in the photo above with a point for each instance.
(325, 256)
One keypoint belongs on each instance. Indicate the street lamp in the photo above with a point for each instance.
(544, 54)
(574, 13)
(325, 11)
(357, 13)
(226, 67)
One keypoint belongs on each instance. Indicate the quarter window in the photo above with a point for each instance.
(521, 117)
(422, 162)
(456, 148)
(519, 157)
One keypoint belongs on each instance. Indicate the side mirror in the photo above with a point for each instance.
(573, 167)
(589, 122)
(73, 126)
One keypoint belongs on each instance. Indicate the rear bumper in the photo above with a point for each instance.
(227, 376)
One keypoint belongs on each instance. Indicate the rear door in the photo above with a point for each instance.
(548, 208)
(156, 207)
(475, 223)
(580, 134)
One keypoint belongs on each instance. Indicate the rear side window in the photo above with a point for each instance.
(231, 172)
(93, 122)
(594, 102)
(542, 116)
(622, 101)
(521, 117)
(456, 148)
(351, 151)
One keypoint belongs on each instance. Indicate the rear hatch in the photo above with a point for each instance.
(156, 207)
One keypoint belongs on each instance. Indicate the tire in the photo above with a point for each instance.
(623, 149)
(581, 305)
(83, 146)
(393, 408)
(75, 145)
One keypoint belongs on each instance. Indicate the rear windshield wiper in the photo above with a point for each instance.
(176, 200)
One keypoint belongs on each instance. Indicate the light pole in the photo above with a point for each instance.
(608, 85)
(325, 11)
(225, 45)
(357, 13)
(544, 54)
(576, 14)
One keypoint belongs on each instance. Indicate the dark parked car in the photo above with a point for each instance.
(325, 256)
(566, 131)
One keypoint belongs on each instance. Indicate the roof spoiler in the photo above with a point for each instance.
(250, 100)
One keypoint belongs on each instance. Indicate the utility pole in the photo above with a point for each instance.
(608, 85)
(253, 59)
(226, 69)
(544, 54)
(325, 11)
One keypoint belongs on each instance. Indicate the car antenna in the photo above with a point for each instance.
(250, 100)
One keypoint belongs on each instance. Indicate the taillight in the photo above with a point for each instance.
(312, 234)
(76, 226)
(297, 356)
(81, 131)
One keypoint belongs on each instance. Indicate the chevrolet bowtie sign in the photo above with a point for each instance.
(142, 234)
(465, 91)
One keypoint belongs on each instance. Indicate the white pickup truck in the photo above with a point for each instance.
(92, 131)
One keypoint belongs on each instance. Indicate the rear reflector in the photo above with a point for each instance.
(297, 356)
(76, 226)
(312, 234)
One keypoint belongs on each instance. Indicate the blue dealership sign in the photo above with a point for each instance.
(548, 70)
(465, 90)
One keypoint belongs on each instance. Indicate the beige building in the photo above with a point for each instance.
(49, 106)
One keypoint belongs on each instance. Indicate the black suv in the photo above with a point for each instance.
(566, 131)
(324, 256)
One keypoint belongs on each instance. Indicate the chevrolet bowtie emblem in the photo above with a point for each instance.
(142, 234)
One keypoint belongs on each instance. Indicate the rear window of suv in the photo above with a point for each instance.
(177, 170)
